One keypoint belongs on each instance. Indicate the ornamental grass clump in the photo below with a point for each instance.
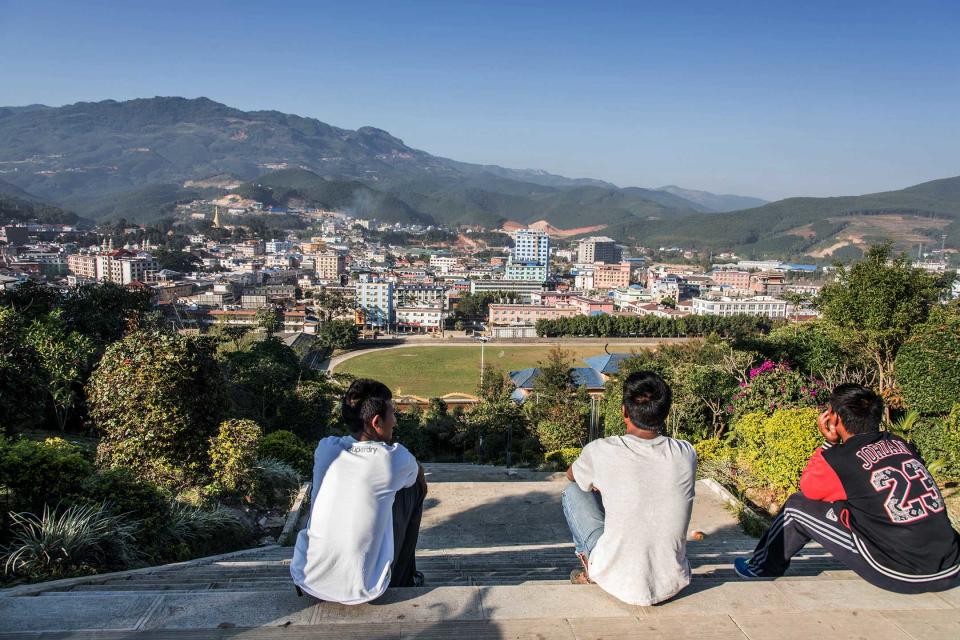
(274, 482)
(63, 542)
(205, 531)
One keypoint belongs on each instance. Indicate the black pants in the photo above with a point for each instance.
(802, 520)
(407, 511)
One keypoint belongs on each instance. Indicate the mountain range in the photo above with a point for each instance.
(137, 159)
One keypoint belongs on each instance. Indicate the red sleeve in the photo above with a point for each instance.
(820, 482)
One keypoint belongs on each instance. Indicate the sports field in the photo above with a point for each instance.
(431, 371)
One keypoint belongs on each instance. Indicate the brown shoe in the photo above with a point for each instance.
(579, 576)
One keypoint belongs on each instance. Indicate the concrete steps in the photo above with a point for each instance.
(482, 583)
(269, 570)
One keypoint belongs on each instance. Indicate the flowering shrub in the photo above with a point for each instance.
(773, 386)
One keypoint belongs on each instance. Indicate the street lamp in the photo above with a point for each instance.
(483, 341)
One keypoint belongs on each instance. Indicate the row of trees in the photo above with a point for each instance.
(734, 327)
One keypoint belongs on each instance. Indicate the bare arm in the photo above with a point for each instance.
(570, 474)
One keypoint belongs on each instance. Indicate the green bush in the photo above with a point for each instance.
(938, 441)
(287, 447)
(63, 542)
(233, 454)
(337, 334)
(307, 410)
(714, 450)
(562, 434)
(775, 448)
(261, 380)
(411, 434)
(274, 483)
(42, 473)
(157, 399)
(561, 459)
(809, 346)
(928, 365)
(124, 492)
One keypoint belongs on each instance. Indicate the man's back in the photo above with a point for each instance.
(647, 489)
(345, 552)
(893, 507)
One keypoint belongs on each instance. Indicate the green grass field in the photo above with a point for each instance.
(436, 371)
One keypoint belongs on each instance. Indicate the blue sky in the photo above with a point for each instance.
(772, 99)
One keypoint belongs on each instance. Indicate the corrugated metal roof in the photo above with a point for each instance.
(608, 363)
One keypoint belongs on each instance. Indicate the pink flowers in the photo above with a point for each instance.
(768, 365)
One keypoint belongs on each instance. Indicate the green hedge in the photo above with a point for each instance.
(739, 326)
(775, 448)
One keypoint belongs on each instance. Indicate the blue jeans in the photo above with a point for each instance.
(584, 513)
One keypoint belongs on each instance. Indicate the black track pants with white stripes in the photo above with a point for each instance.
(802, 520)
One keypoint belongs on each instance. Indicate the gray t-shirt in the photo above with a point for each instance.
(647, 488)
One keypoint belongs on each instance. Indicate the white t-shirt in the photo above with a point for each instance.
(345, 552)
(647, 488)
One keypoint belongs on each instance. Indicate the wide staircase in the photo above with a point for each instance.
(496, 555)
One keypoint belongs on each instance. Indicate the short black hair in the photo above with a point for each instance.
(364, 400)
(860, 408)
(647, 398)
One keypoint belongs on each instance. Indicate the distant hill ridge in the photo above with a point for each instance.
(98, 156)
(138, 158)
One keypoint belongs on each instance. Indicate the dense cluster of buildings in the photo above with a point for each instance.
(338, 272)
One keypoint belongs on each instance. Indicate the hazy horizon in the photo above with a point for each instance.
(817, 100)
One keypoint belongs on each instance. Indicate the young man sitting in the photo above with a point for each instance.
(365, 507)
(629, 506)
(867, 497)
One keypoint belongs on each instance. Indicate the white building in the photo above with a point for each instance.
(376, 301)
(530, 245)
(427, 319)
(631, 297)
(444, 264)
(277, 246)
(755, 306)
(419, 295)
